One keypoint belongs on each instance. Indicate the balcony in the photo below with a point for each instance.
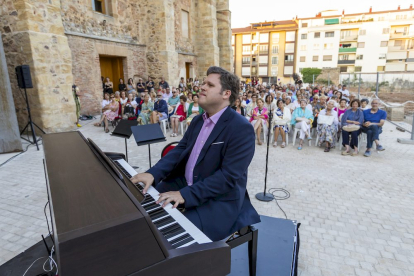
(396, 48)
(349, 38)
(288, 62)
(396, 55)
(398, 35)
(350, 61)
(254, 63)
(264, 52)
(347, 50)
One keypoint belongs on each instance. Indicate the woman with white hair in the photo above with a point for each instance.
(328, 126)
(302, 119)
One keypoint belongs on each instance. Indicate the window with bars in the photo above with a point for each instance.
(317, 35)
(275, 60)
(275, 49)
(304, 25)
(302, 59)
(246, 60)
(289, 58)
(360, 57)
(315, 58)
(329, 34)
(304, 36)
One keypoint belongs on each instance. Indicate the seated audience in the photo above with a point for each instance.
(130, 86)
(180, 114)
(282, 117)
(374, 119)
(327, 131)
(146, 108)
(259, 119)
(269, 104)
(351, 123)
(302, 119)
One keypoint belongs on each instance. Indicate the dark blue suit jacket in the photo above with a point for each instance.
(218, 194)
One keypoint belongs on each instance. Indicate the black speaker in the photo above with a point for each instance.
(24, 80)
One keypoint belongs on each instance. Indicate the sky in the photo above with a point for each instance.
(244, 12)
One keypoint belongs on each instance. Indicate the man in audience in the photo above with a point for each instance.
(374, 119)
(160, 110)
(174, 100)
(150, 84)
(163, 83)
(345, 92)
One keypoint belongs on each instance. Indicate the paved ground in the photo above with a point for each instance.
(357, 213)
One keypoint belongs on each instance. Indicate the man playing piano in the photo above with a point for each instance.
(207, 171)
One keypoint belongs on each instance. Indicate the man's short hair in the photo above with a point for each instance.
(365, 100)
(228, 81)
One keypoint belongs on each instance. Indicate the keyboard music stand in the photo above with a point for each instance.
(147, 135)
(123, 130)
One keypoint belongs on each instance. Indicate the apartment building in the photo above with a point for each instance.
(363, 42)
(266, 50)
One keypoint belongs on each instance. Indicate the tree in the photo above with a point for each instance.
(308, 73)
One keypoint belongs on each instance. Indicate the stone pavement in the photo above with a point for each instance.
(357, 213)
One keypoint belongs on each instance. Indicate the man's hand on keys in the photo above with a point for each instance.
(145, 178)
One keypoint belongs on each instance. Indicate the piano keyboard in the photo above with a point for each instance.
(173, 225)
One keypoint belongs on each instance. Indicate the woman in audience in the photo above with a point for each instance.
(281, 113)
(153, 97)
(290, 105)
(342, 107)
(109, 113)
(146, 108)
(117, 96)
(179, 115)
(238, 107)
(269, 104)
(338, 94)
(109, 86)
(123, 99)
(327, 132)
(251, 106)
(352, 120)
(194, 109)
(121, 85)
(130, 107)
(259, 119)
(364, 104)
(302, 119)
(130, 86)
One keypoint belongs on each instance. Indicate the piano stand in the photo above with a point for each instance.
(247, 234)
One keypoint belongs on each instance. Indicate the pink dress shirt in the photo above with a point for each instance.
(207, 128)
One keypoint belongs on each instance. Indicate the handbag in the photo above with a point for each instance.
(325, 120)
(351, 128)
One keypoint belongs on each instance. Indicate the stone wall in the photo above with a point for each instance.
(224, 34)
(9, 130)
(86, 68)
(34, 36)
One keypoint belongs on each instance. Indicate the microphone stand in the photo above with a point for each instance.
(267, 196)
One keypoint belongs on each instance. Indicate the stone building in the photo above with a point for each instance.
(69, 42)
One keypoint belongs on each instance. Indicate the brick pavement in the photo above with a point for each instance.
(357, 213)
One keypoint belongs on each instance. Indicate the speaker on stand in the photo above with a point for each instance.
(24, 80)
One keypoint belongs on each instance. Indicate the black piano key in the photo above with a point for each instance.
(174, 233)
(158, 215)
(164, 221)
(151, 206)
(182, 242)
(168, 228)
(139, 186)
(147, 199)
(147, 203)
(180, 238)
(154, 210)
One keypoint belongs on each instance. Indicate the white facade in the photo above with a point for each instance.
(363, 42)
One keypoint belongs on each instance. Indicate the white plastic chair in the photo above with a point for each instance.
(295, 133)
(164, 126)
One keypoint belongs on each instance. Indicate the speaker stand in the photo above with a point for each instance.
(30, 124)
